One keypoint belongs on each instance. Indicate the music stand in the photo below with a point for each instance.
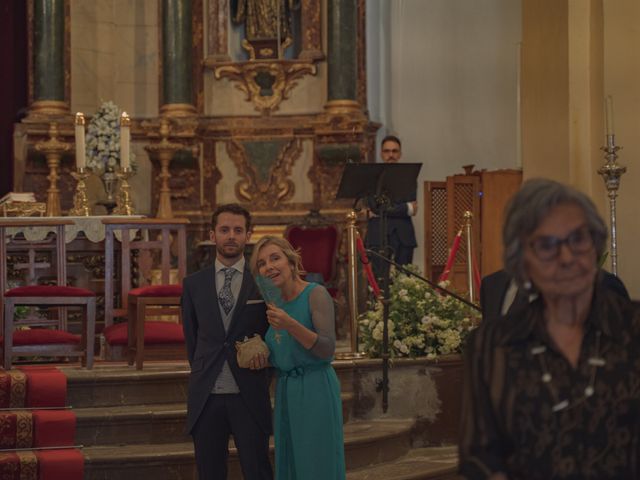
(382, 184)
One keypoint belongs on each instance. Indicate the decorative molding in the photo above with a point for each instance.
(255, 78)
(278, 188)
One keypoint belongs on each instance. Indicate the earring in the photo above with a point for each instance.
(527, 285)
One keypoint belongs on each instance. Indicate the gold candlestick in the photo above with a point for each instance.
(611, 172)
(124, 205)
(80, 199)
(164, 151)
(53, 150)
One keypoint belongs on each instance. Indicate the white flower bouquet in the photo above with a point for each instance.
(422, 321)
(103, 140)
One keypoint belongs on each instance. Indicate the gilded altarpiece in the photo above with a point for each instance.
(266, 132)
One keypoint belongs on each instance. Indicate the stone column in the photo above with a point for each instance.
(342, 58)
(176, 58)
(48, 57)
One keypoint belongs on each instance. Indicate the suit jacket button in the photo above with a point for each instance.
(226, 344)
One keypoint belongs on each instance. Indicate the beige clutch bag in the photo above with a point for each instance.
(249, 348)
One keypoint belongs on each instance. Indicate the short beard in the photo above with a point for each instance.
(238, 252)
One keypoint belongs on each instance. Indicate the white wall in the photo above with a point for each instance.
(445, 80)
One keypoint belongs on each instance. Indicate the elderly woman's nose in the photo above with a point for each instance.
(565, 253)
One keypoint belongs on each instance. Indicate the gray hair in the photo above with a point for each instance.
(529, 206)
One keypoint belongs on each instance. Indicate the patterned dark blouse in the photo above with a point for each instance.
(529, 414)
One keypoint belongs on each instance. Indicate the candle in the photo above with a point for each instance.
(125, 140)
(609, 114)
(81, 159)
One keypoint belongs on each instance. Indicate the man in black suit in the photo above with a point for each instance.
(221, 305)
(401, 235)
(500, 295)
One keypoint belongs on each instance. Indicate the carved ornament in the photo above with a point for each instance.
(278, 188)
(266, 84)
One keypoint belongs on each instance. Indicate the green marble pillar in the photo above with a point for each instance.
(176, 57)
(48, 56)
(342, 47)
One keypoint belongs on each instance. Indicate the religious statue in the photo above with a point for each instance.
(267, 25)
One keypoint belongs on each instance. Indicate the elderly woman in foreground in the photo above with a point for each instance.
(553, 389)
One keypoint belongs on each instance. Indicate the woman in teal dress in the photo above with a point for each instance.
(309, 442)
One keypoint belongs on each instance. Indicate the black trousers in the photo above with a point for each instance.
(225, 415)
(399, 253)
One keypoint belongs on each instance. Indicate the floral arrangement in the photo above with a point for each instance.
(103, 140)
(422, 321)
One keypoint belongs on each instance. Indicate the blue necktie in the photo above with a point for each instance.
(225, 296)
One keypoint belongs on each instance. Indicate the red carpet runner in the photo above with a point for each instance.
(24, 427)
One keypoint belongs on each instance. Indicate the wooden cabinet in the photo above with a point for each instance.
(484, 194)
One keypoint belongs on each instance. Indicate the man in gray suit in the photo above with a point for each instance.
(221, 305)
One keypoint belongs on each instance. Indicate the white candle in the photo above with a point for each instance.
(81, 160)
(609, 114)
(125, 140)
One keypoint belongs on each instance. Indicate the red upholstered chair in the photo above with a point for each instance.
(318, 244)
(140, 336)
(36, 341)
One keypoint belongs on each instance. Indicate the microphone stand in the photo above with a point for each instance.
(382, 385)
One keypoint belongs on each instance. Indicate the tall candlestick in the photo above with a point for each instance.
(81, 160)
(609, 114)
(125, 140)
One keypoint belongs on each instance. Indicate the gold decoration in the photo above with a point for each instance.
(80, 199)
(53, 150)
(284, 76)
(47, 108)
(124, 204)
(23, 209)
(278, 188)
(178, 110)
(164, 151)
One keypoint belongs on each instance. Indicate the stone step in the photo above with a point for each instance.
(429, 463)
(365, 443)
(114, 384)
(137, 424)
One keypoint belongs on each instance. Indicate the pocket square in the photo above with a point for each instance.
(253, 302)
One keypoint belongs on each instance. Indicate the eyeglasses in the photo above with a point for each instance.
(548, 247)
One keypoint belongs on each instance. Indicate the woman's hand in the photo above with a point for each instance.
(258, 362)
(279, 319)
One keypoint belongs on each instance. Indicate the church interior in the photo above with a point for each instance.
(125, 123)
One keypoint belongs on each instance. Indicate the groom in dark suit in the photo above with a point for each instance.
(221, 305)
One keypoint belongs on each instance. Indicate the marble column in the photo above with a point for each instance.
(176, 58)
(342, 57)
(48, 57)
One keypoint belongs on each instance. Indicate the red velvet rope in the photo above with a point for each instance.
(452, 256)
(367, 267)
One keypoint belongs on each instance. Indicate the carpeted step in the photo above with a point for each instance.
(37, 428)
(136, 424)
(55, 464)
(430, 463)
(365, 442)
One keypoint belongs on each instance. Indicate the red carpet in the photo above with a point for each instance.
(31, 388)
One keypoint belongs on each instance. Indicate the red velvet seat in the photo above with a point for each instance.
(43, 341)
(318, 246)
(163, 338)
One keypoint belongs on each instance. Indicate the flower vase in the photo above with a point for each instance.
(110, 181)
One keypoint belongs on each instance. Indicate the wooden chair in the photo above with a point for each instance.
(164, 339)
(57, 342)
